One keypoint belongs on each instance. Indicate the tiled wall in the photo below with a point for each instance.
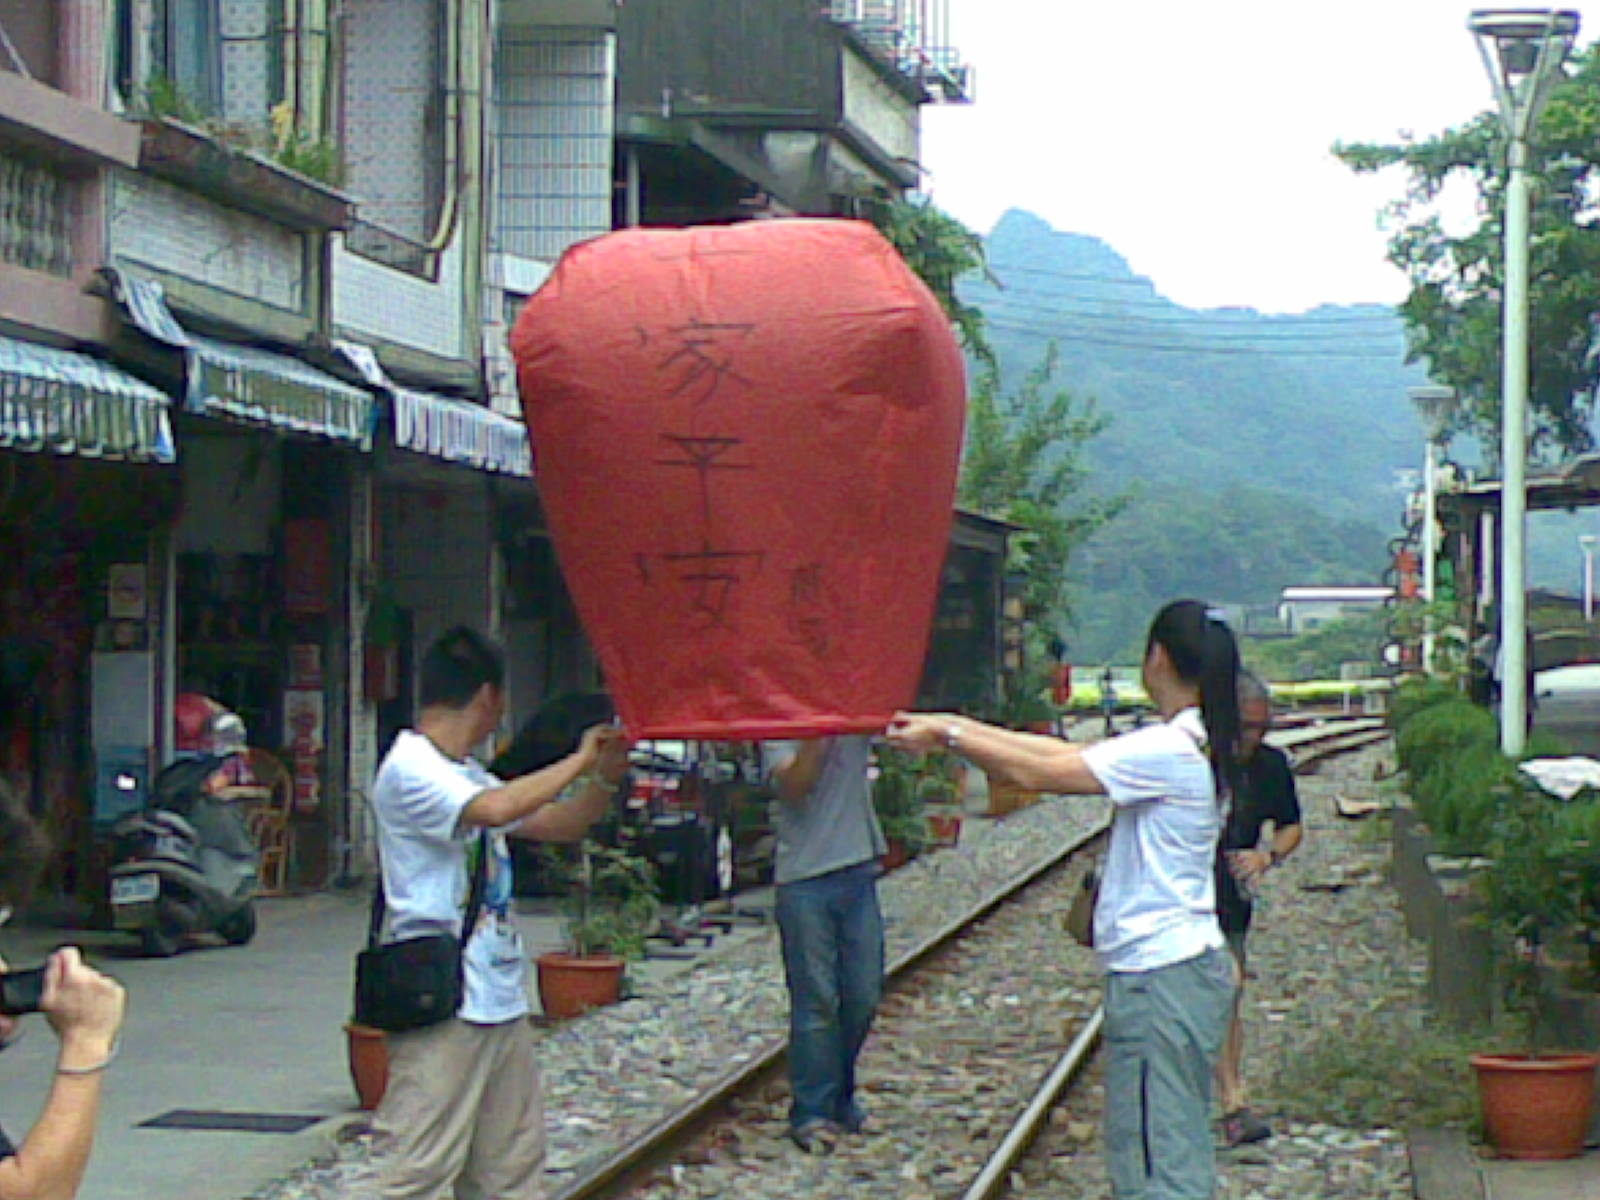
(553, 94)
(248, 50)
(155, 224)
(392, 98)
(372, 299)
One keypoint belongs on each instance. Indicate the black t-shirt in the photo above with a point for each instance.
(1266, 793)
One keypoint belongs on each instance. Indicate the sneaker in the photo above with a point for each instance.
(1242, 1127)
(815, 1137)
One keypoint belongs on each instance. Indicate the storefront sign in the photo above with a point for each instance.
(303, 718)
(307, 567)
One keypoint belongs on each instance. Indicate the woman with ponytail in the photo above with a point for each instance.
(1169, 979)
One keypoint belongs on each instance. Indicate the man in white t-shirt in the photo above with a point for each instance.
(463, 1114)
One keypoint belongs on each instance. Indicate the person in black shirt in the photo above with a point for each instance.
(1266, 794)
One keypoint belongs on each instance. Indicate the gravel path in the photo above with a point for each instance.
(1328, 948)
(611, 1074)
(1318, 959)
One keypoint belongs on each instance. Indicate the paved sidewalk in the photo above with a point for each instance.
(255, 1029)
(1448, 1167)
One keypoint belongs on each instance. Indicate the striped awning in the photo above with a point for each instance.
(258, 387)
(63, 402)
(459, 432)
(456, 431)
(248, 384)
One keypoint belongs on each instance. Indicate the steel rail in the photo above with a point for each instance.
(992, 1181)
(649, 1148)
(639, 1153)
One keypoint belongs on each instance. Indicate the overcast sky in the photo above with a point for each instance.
(1194, 137)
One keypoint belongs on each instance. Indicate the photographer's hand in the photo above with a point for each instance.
(84, 1007)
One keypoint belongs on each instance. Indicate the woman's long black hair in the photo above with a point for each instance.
(1204, 653)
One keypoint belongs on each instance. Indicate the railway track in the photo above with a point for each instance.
(941, 1049)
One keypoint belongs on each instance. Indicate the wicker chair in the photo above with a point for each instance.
(269, 819)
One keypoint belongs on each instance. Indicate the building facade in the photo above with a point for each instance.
(259, 434)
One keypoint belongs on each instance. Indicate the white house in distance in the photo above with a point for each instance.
(1302, 609)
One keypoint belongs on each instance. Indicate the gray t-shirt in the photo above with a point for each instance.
(834, 826)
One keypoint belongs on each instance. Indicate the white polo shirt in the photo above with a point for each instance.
(1157, 901)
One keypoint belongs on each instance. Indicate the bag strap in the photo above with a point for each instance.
(480, 875)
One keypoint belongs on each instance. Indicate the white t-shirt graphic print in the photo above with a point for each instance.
(419, 796)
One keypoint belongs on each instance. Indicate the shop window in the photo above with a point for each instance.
(201, 60)
(395, 127)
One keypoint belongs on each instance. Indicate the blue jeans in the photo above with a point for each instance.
(832, 932)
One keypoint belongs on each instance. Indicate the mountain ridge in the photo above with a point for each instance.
(1299, 421)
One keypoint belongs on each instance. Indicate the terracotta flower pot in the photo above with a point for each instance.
(895, 857)
(569, 985)
(369, 1063)
(944, 828)
(1536, 1107)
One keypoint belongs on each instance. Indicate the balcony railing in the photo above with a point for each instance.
(913, 37)
(35, 216)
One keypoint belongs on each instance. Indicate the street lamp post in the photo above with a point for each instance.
(1587, 541)
(1523, 50)
(1434, 405)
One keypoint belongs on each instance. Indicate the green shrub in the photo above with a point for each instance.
(1415, 696)
(1457, 795)
(1443, 729)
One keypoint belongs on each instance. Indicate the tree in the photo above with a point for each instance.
(941, 250)
(1320, 653)
(1453, 312)
(1024, 463)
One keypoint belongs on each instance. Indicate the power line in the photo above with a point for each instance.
(1136, 324)
(1157, 301)
(1257, 350)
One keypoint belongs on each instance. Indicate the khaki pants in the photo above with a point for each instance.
(463, 1116)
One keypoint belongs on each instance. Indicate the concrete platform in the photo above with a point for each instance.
(255, 1029)
(1445, 1166)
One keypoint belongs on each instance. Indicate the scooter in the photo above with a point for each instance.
(184, 865)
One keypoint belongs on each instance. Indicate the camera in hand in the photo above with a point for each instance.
(21, 992)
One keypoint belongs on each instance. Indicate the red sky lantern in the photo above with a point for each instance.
(746, 441)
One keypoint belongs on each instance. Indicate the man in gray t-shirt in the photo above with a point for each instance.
(829, 844)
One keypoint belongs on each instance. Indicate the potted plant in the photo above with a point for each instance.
(899, 806)
(1536, 1104)
(1023, 705)
(939, 784)
(611, 907)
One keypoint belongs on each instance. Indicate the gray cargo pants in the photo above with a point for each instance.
(1163, 1031)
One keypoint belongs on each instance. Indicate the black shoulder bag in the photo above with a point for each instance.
(417, 982)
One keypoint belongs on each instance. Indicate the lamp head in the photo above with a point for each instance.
(1436, 406)
(1523, 49)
